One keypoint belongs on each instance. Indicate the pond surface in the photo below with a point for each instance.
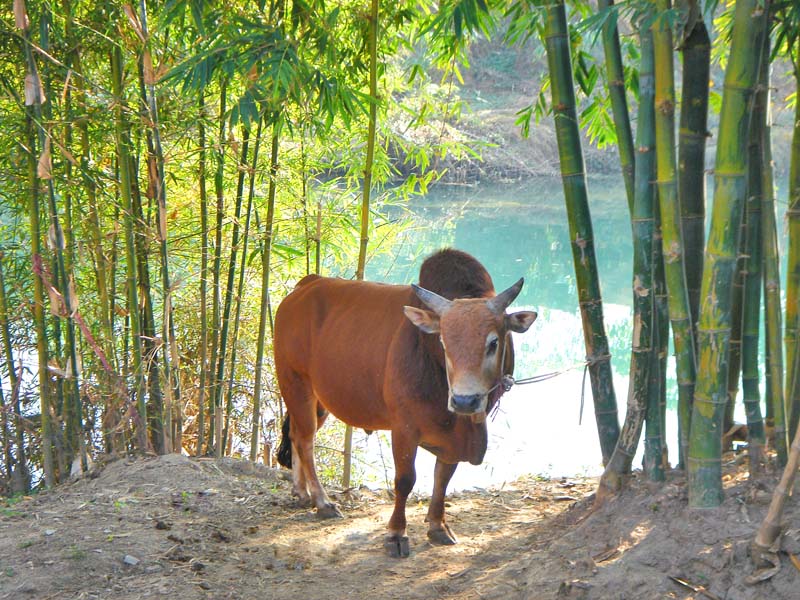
(520, 230)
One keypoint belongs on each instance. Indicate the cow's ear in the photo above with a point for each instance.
(520, 321)
(426, 320)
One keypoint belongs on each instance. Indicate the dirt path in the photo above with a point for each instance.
(179, 528)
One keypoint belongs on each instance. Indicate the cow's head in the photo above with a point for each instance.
(473, 333)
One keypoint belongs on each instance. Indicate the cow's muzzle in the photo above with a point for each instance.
(468, 404)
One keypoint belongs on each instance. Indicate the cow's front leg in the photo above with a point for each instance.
(438, 531)
(404, 450)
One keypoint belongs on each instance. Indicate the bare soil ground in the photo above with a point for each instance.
(181, 528)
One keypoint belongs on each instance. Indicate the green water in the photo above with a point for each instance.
(520, 230)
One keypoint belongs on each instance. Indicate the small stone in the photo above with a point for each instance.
(197, 566)
(130, 560)
(163, 526)
(49, 532)
(205, 585)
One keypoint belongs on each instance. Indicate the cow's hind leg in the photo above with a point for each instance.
(404, 450)
(303, 430)
(438, 531)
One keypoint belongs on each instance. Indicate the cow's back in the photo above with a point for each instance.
(335, 334)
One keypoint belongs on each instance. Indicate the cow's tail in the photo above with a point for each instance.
(285, 448)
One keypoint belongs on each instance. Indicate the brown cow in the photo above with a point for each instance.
(365, 352)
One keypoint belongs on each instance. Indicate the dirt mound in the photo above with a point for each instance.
(183, 528)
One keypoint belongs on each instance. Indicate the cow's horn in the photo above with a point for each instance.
(433, 301)
(503, 300)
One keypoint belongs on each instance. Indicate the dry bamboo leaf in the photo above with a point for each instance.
(21, 15)
(795, 561)
(65, 89)
(44, 170)
(67, 154)
(134, 21)
(52, 238)
(162, 222)
(609, 554)
(56, 369)
(57, 307)
(32, 84)
(147, 63)
(73, 296)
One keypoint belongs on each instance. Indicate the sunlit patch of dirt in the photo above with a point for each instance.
(175, 527)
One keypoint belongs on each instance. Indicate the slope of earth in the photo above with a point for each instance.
(181, 528)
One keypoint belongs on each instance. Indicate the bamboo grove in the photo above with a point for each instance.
(169, 169)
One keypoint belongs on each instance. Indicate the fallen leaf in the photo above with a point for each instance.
(795, 561)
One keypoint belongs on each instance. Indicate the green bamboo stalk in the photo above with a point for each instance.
(365, 200)
(556, 39)
(142, 239)
(670, 212)
(219, 377)
(215, 414)
(242, 268)
(730, 173)
(692, 135)
(792, 333)
(45, 391)
(123, 143)
(264, 316)
(201, 179)
(63, 278)
(155, 160)
(644, 356)
(772, 282)
(619, 104)
(23, 474)
(752, 287)
(737, 308)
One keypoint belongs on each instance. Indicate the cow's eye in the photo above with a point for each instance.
(491, 347)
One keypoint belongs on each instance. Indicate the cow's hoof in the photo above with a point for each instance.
(442, 537)
(397, 546)
(329, 511)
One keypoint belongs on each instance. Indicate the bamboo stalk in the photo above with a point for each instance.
(788, 411)
(705, 464)
(670, 212)
(242, 268)
(264, 316)
(123, 144)
(556, 39)
(759, 140)
(22, 471)
(219, 377)
(772, 305)
(201, 179)
(365, 199)
(644, 358)
(771, 525)
(215, 416)
(692, 135)
(619, 103)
